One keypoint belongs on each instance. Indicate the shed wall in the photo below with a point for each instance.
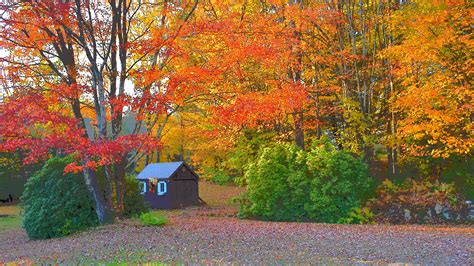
(182, 191)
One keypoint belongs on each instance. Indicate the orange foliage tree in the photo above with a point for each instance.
(433, 68)
(94, 79)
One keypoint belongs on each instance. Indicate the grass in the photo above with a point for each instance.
(218, 195)
(153, 218)
(214, 195)
(9, 218)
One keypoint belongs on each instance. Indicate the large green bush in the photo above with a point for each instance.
(277, 185)
(56, 204)
(288, 184)
(340, 182)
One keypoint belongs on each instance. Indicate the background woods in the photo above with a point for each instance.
(119, 84)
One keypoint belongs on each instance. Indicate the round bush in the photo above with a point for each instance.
(288, 184)
(56, 204)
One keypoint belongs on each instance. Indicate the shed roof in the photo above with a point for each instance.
(159, 170)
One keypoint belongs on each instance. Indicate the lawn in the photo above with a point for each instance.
(215, 196)
(212, 235)
(9, 218)
(218, 195)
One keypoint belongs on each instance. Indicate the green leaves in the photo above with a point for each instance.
(56, 204)
(134, 202)
(288, 184)
(153, 218)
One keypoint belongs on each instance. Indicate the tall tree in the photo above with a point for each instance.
(74, 69)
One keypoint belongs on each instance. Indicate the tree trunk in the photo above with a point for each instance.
(105, 213)
(393, 130)
(298, 118)
(109, 189)
(119, 175)
(158, 156)
(147, 159)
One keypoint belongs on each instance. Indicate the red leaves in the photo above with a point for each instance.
(254, 109)
(32, 124)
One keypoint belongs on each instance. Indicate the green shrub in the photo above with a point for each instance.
(134, 202)
(153, 218)
(277, 185)
(359, 216)
(247, 149)
(418, 202)
(460, 172)
(287, 184)
(340, 182)
(56, 204)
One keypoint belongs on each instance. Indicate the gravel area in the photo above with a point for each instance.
(222, 240)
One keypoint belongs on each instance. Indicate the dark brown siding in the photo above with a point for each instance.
(182, 191)
(185, 193)
(162, 201)
(184, 173)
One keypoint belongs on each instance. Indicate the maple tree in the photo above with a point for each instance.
(75, 71)
(349, 70)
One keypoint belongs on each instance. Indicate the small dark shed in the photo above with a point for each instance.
(169, 185)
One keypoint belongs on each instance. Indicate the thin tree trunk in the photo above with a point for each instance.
(119, 175)
(393, 131)
(104, 212)
(298, 118)
(158, 156)
(109, 186)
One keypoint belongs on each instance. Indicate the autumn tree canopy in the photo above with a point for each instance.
(73, 72)
(123, 83)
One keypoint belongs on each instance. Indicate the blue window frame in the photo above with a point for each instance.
(161, 190)
(142, 186)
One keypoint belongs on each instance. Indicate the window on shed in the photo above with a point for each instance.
(161, 188)
(142, 187)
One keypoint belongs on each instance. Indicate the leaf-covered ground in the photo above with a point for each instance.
(210, 236)
(192, 238)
